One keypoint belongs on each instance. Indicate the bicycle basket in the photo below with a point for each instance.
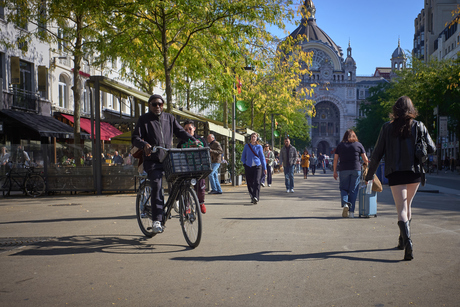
(187, 162)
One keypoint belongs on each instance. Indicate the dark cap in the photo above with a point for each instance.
(155, 96)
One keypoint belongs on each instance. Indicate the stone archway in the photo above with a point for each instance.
(323, 147)
(326, 127)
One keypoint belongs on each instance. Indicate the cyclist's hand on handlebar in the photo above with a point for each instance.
(148, 149)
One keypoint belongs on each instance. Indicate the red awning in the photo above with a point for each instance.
(107, 130)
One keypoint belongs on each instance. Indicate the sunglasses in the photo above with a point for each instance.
(154, 104)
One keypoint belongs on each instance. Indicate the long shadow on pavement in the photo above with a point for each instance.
(275, 256)
(74, 245)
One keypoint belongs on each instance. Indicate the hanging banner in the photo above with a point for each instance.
(442, 126)
(42, 77)
(15, 72)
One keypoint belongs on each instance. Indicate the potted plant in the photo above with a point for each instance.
(239, 167)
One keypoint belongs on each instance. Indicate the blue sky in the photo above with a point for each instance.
(372, 26)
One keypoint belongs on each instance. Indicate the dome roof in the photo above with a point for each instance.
(398, 53)
(350, 61)
(310, 29)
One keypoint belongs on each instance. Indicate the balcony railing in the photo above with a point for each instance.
(24, 100)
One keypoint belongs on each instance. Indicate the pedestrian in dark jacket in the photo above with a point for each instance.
(156, 128)
(396, 142)
(288, 158)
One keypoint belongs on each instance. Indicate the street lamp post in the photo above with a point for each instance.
(234, 130)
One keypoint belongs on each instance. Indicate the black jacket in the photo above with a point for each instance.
(399, 152)
(157, 130)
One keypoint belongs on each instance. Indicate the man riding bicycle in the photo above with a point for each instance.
(156, 128)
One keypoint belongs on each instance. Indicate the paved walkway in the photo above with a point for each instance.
(289, 250)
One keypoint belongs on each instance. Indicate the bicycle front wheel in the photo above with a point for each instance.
(34, 185)
(144, 209)
(190, 217)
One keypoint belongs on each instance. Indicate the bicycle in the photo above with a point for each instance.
(32, 184)
(183, 167)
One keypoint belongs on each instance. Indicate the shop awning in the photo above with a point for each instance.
(46, 126)
(124, 138)
(122, 90)
(107, 130)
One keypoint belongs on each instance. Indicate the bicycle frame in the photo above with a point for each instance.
(178, 187)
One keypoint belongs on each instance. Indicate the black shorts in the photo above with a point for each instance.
(404, 177)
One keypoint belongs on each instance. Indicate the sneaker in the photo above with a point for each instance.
(292, 190)
(269, 185)
(351, 215)
(345, 211)
(287, 191)
(156, 227)
(203, 208)
(211, 192)
(263, 184)
(255, 200)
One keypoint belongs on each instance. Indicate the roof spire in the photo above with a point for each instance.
(311, 9)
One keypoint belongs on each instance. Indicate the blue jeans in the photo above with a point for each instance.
(349, 185)
(213, 179)
(289, 177)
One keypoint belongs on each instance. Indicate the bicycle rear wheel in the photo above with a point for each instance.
(34, 185)
(144, 209)
(190, 217)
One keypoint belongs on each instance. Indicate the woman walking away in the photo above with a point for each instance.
(305, 163)
(348, 152)
(254, 164)
(397, 141)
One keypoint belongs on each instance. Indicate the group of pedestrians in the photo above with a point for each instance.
(396, 143)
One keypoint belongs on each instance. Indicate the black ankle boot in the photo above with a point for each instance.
(400, 239)
(407, 242)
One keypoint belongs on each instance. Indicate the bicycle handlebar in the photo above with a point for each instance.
(155, 148)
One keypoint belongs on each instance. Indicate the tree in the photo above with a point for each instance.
(376, 113)
(158, 33)
(70, 23)
(429, 85)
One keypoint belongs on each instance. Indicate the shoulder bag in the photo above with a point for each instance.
(421, 152)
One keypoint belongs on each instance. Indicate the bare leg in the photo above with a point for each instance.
(403, 195)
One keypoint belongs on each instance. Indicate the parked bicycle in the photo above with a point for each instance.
(30, 182)
(183, 167)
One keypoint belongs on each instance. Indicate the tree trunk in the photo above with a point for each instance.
(265, 130)
(252, 114)
(225, 119)
(225, 122)
(77, 89)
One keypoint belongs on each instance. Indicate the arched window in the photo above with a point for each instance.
(63, 95)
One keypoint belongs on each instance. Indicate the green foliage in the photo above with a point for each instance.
(239, 167)
(376, 113)
(184, 43)
(429, 85)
